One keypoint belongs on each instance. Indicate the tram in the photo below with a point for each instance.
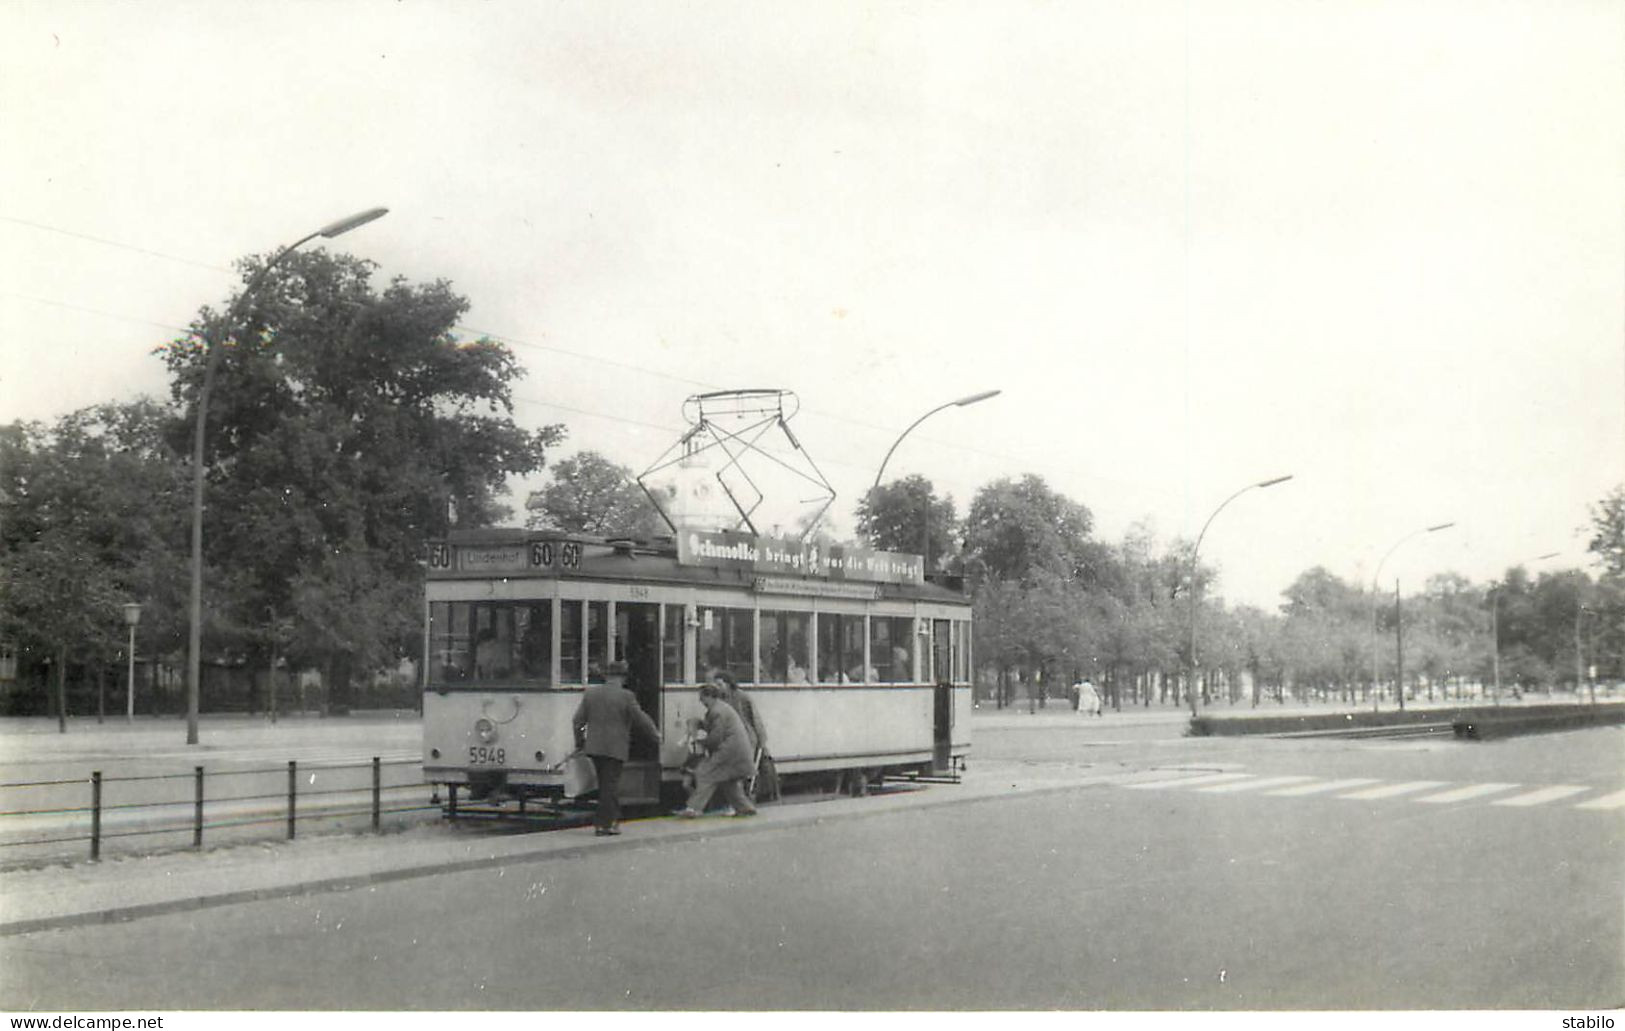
(854, 660)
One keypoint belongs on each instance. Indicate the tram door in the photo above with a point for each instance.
(637, 635)
(943, 707)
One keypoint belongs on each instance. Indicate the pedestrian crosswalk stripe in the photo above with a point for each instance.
(1614, 801)
(1255, 784)
(1390, 790)
(1470, 791)
(1542, 796)
(1325, 785)
(1187, 782)
(1369, 788)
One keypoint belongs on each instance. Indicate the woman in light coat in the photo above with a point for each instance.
(728, 759)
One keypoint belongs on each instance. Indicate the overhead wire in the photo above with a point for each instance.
(516, 341)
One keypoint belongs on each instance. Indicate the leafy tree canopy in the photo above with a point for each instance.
(1021, 529)
(347, 424)
(91, 517)
(1608, 532)
(895, 516)
(591, 494)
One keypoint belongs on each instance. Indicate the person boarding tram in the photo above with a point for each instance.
(604, 723)
(728, 757)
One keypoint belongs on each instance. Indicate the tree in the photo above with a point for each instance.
(91, 516)
(907, 515)
(1605, 627)
(1452, 636)
(1017, 529)
(590, 494)
(347, 425)
(1608, 532)
(1326, 633)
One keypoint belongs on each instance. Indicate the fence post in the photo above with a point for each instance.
(377, 791)
(293, 794)
(95, 815)
(197, 808)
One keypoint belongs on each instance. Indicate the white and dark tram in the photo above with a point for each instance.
(855, 661)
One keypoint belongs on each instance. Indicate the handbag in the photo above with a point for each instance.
(580, 775)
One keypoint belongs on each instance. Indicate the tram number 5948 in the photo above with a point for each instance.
(480, 755)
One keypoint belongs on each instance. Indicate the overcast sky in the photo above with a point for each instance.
(1379, 246)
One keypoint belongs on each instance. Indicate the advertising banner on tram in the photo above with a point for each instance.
(783, 556)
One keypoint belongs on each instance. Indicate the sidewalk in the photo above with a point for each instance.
(128, 889)
(25, 737)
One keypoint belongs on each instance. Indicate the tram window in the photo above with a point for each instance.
(840, 649)
(961, 651)
(726, 641)
(597, 639)
(671, 648)
(535, 631)
(941, 651)
(493, 642)
(892, 648)
(448, 642)
(784, 647)
(502, 642)
(880, 644)
(570, 671)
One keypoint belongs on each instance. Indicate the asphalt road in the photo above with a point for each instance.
(1249, 874)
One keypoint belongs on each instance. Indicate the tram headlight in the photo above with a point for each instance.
(485, 730)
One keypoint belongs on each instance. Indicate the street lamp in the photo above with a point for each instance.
(1495, 626)
(1399, 688)
(132, 616)
(960, 403)
(211, 343)
(1190, 689)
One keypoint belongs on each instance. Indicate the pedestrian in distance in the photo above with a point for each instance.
(604, 723)
(728, 760)
(1088, 698)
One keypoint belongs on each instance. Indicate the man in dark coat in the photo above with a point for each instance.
(604, 723)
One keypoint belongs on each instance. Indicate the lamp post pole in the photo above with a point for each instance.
(1190, 689)
(1399, 689)
(212, 342)
(1495, 640)
(132, 616)
(960, 403)
(1579, 656)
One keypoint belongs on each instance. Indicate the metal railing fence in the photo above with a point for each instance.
(57, 819)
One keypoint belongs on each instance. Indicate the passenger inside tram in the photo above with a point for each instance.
(492, 658)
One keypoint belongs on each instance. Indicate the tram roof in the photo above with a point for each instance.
(604, 558)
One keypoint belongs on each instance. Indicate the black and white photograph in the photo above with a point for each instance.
(729, 512)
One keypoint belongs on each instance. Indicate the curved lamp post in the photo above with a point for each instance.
(1495, 625)
(1399, 688)
(960, 403)
(1190, 689)
(212, 342)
